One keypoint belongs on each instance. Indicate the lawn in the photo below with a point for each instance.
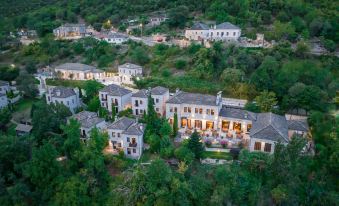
(217, 155)
(22, 109)
(66, 83)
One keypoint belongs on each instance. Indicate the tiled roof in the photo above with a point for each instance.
(226, 25)
(193, 98)
(115, 90)
(122, 124)
(62, 92)
(135, 129)
(237, 113)
(4, 83)
(23, 128)
(199, 26)
(87, 119)
(269, 126)
(130, 66)
(154, 91)
(77, 67)
(114, 35)
(298, 125)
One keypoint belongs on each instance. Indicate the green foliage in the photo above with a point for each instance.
(94, 104)
(92, 88)
(195, 145)
(175, 125)
(266, 101)
(8, 73)
(26, 83)
(5, 117)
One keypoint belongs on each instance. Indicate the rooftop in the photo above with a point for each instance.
(87, 119)
(135, 129)
(122, 123)
(154, 91)
(62, 92)
(115, 90)
(199, 26)
(237, 113)
(77, 67)
(130, 66)
(269, 126)
(4, 83)
(193, 98)
(226, 25)
(23, 128)
(114, 35)
(298, 125)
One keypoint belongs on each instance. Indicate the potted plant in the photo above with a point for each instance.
(223, 143)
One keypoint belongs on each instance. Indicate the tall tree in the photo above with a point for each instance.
(266, 101)
(195, 145)
(175, 125)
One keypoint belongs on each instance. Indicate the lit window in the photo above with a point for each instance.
(257, 146)
(200, 111)
(196, 110)
(212, 111)
(208, 111)
(189, 109)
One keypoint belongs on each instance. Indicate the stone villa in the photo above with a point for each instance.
(63, 95)
(70, 31)
(127, 71)
(77, 71)
(115, 96)
(220, 32)
(89, 121)
(126, 135)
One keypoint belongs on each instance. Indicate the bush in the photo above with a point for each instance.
(166, 73)
(180, 64)
(184, 154)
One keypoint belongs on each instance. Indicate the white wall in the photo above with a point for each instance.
(4, 89)
(3, 101)
(124, 102)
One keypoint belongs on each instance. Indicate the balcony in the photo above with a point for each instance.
(132, 144)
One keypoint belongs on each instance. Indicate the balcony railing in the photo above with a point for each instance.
(133, 144)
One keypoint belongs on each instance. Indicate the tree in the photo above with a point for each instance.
(5, 117)
(9, 73)
(266, 101)
(231, 76)
(114, 112)
(302, 49)
(72, 142)
(175, 125)
(94, 104)
(92, 88)
(195, 145)
(26, 84)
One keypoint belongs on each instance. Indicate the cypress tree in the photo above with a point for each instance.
(195, 145)
(175, 125)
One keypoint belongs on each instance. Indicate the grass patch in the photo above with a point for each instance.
(22, 109)
(148, 156)
(66, 83)
(217, 155)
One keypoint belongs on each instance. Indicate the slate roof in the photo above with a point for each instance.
(23, 128)
(130, 66)
(298, 125)
(62, 92)
(115, 90)
(73, 25)
(226, 25)
(122, 124)
(77, 67)
(4, 83)
(154, 91)
(199, 26)
(237, 113)
(87, 119)
(2, 94)
(135, 129)
(269, 126)
(117, 35)
(193, 98)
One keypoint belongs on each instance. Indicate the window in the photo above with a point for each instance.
(67, 102)
(140, 102)
(222, 33)
(141, 111)
(171, 109)
(212, 111)
(128, 151)
(249, 126)
(226, 33)
(267, 147)
(257, 146)
(157, 100)
(118, 134)
(200, 111)
(196, 110)
(128, 139)
(72, 101)
(189, 109)
(208, 111)
(113, 134)
(134, 150)
(171, 121)
(175, 109)
(233, 33)
(185, 109)
(157, 109)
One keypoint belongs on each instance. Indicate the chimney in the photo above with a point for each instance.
(219, 98)
(215, 26)
(58, 93)
(177, 90)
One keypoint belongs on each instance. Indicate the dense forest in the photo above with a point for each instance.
(54, 167)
